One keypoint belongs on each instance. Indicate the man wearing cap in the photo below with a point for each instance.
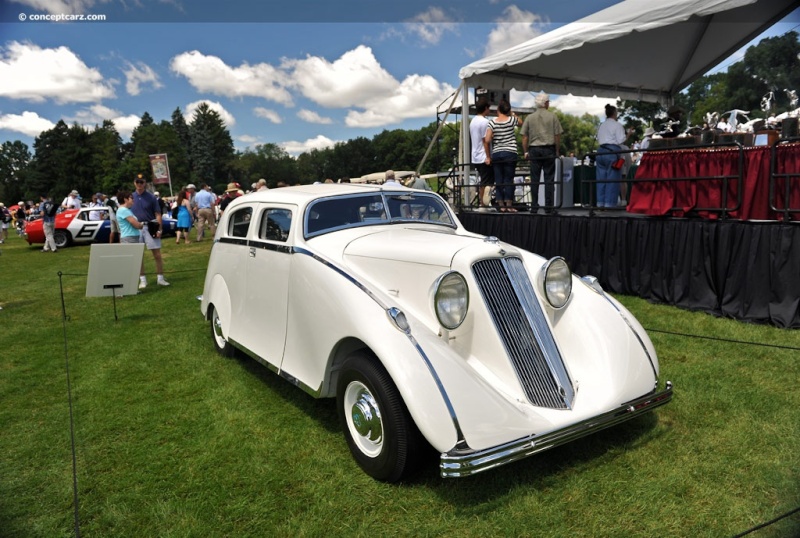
(72, 201)
(205, 201)
(147, 209)
(541, 139)
(48, 224)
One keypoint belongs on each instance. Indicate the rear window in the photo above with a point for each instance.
(275, 224)
(239, 223)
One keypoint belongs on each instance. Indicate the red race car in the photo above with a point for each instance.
(75, 226)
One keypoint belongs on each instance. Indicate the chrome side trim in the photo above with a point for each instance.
(459, 463)
(636, 334)
(291, 379)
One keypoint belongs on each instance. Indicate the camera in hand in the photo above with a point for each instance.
(153, 227)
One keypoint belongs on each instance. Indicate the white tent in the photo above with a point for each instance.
(637, 49)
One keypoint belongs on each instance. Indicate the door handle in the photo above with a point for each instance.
(252, 252)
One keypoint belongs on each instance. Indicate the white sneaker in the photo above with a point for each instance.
(142, 283)
(162, 282)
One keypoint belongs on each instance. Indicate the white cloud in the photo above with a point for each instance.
(349, 81)
(312, 117)
(27, 123)
(318, 142)
(568, 104)
(430, 26)
(247, 139)
(416, 97)
(96, 114)
(514, 27)
(357, 81)
(226, 116)
(267, 114)
(578, 106)
(36, 74)
(138, 75)
(59, 6)
(211, 74)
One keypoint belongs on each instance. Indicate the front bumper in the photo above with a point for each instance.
(458, 463)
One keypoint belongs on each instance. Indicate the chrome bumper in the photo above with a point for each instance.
(458, 463)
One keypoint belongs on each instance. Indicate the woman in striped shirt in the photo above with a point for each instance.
(501, 137)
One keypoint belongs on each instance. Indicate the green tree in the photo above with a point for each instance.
(212, 150)
(268, 161)
(579, 133)
(62, 162)
(14, 159)
(106, 155)
(182, 131)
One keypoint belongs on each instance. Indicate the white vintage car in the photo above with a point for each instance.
(423, 331)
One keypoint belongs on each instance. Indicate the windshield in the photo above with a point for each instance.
(328, 214)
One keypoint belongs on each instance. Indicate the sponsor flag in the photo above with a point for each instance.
(160, 167)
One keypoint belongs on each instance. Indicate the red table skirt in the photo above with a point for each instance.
(651, 198)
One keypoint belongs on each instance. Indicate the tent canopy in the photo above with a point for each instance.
(638, 49)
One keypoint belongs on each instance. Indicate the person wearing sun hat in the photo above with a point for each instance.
(72, 201)
(231, 193)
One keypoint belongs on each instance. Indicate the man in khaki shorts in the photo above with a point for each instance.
(205, 201)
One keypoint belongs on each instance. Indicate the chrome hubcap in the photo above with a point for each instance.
(364, 418)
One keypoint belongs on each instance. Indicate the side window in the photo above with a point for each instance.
(275, 224)
(240, 222)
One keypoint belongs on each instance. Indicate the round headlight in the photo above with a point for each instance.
(557, 280)
(451, 300)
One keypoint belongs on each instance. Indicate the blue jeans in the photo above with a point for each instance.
(504, 164)
(607, 193)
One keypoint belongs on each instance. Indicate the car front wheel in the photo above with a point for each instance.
(381, 435)
(222, 346)
(61, 238)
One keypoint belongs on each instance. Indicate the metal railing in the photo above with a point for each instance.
(723, 209)
(463, 191)
(788, 179)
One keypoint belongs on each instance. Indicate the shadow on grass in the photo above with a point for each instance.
(539, 471)
(322, 410)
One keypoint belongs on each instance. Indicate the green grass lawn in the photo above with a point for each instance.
(173, 440)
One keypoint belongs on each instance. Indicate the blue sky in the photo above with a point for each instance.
(302, 74)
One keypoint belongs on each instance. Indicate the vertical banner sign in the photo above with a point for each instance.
(160, 168)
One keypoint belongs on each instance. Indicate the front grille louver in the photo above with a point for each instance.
(523, 329)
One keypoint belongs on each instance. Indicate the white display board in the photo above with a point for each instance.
(114, 269)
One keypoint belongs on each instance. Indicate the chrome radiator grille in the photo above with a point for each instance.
(523, 329)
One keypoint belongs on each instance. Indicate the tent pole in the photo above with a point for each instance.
(463, 140)
(439, 129)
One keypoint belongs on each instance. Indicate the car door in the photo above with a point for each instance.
(267, 274)
(84, 230)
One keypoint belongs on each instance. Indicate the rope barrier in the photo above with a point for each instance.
(728, 340)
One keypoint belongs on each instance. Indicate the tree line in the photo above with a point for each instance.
(69, 157)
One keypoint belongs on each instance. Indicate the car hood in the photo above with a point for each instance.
(407, 245)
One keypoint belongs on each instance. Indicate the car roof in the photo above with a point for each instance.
(302, 194)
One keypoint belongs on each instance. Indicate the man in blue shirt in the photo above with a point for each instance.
(147, 210)
(205, 201)
(48, 212)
